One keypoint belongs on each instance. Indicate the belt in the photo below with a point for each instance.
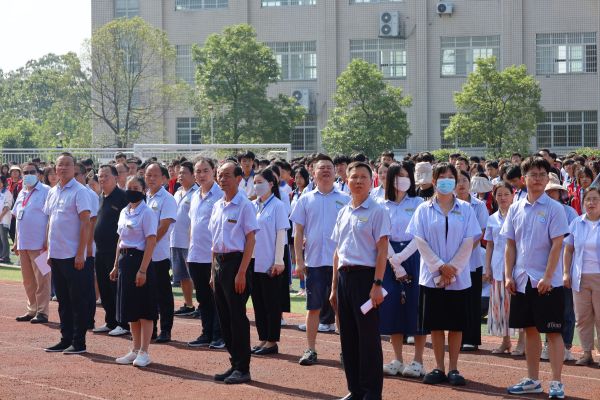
(355, 268)
(130, 250)
(221, 257)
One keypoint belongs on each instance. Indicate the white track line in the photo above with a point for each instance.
(43, 385)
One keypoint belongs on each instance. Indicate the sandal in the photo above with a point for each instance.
(504, 348)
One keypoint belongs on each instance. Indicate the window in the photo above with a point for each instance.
(458, 54)
(462, 142)
(388, 54)
(374, 1)
(568, 129)
(279, 3)
(565, 53)
(188, 131)
(184, 66)
(127, 8)
(190, 5)
(297, 60)
(304, 136)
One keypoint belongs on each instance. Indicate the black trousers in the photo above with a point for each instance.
(231, 307)
(105, 261)
(72, 288)
(359, 335)
(200, 273)
(164, 294)
(472, 332)
(267, 307)
(91, 292)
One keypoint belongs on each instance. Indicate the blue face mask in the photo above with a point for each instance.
(445, 185)
(30, 180)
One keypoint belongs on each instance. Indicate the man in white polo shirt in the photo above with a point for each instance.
(68, 206)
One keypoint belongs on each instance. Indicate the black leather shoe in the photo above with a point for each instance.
(164, 337)
(254, 349)
(456, 379)
(39, 319)
(263, 351)
(58, 348)
(237, 377)
(224, 375)
(25, 318)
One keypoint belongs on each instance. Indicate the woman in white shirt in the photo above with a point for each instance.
(6, 202)
(581, 263)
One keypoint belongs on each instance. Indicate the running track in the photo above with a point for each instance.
(178, 372)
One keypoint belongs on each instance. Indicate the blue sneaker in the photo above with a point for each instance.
(557, 390)
(526, 385)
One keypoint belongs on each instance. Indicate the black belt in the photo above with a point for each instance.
(223, 257)
(130, 250)
(355, 268)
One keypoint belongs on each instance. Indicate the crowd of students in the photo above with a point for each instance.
(415, 243)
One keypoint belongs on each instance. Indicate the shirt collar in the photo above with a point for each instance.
(138, 209)
(434, 203)
(365, 204)
(543, 199)
(333, 190)
(160, 192)
(68, 185)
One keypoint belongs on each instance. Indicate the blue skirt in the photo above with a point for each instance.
(395, 315)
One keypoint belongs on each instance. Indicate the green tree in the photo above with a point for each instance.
(497, 108)
(369, 115)
(130, 68)
(233, 73)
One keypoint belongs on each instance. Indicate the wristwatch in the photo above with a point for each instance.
(377, 282)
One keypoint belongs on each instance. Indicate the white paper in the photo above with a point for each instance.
(41, 262)
(365, 308)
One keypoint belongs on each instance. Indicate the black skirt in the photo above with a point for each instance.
(135, 303)
(442, 310)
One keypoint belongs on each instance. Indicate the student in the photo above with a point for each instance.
(398, 314)
(378, 193)
(535, 227)
(361, 236)
(445, 229)
(423, 174)
(583, 276)
(499, 309)
(267, 262)
(341, 164)
(314, 218)
(246, 162)
(301, 179)
(515, 178)
(471, 339)
(200, 257)
(134, 272)
(233, 227)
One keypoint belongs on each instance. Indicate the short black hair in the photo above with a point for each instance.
(207, 160)
(247, 154)
(283, 165)
(120, 155)
(513, 171)
(442, 168)
(535, 162)
(88, 162)
(388, 154)
(81, 167)
(475, 159)
(321, 157)
(462, 158)
(360, 157)
(188, 165)
(112, 168)
(359, 164)
(341, 159)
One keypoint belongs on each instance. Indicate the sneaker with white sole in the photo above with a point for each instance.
(127, 358)
(527, 385)
(102, 329)
(393, 368)
(283, 322)
(142, 359)
(413, 370)
(410, 340)
(544, 355)
(326, 328)
(568, 355)
(557, 390)
(302, 327)
(118, 331)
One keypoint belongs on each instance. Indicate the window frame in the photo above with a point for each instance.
(359, 48)
(554, 53)
(454, 49)
(127, 11)
(300, 3)
(284, 54)
(200, 5)
(560, 127)
(305, 129)
(190, 131)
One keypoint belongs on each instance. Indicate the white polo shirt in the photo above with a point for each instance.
(180, 235)
(164, 206)
(30, 218)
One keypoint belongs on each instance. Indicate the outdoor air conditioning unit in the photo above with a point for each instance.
(444, 7)
(389, 24)
(302, 97)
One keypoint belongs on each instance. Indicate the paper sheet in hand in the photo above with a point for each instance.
(41, 262)
(365, 308)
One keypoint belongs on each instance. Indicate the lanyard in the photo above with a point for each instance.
(26, 200)
(247, 179)
(260, 210)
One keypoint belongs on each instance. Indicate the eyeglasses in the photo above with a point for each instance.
(591, 200)
(29, 172)
(539, 176)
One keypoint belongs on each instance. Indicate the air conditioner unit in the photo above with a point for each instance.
(444, 7)
(389, 24)
(302, 97)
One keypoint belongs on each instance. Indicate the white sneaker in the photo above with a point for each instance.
(127, 358)
(544, 355)
(326, 327)
(142, 359)
(102, 329)
(118, 331)
(413, 370)
(283, 322)
(394, 368)
(410, 340)
(568, 355)
(302, 327)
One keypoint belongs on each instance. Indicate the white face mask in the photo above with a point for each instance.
(262, 188)
(402, 183)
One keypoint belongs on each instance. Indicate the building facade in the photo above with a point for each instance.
(429, 53)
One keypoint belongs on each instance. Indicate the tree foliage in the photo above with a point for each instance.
(39, 100)
(497, 108)
(233, 73)
(369, 115)
(130, 68)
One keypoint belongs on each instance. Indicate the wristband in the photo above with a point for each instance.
(377, 282)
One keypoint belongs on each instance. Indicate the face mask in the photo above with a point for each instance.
(445, 185)
(30, 180)
(402, 183)
(262, 188)
(133, 196)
